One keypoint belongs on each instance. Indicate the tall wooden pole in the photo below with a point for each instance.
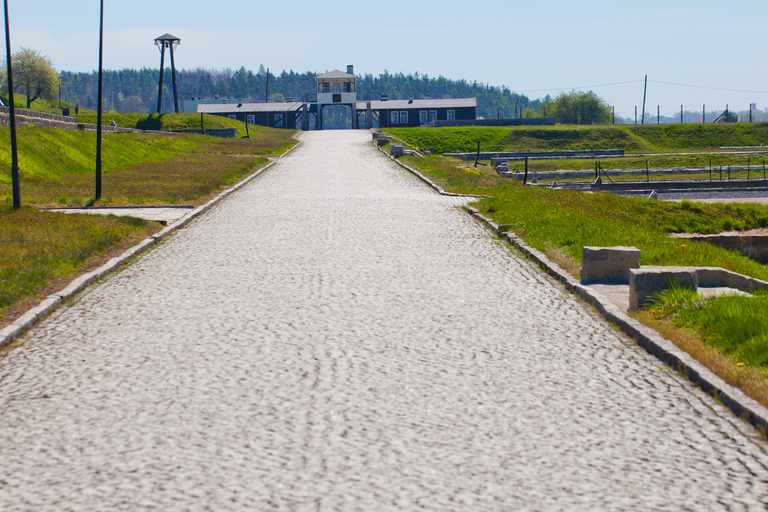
(266, 95)
(173, 74)
(100, 102)
(162, 72)
(645, 89)
(14, 153)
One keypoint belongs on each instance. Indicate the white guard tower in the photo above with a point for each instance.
(337, 88)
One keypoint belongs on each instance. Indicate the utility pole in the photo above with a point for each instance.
(658, 114)
(266, 98)
(645, 89)
(681, 114)
(14, 153)
(635, 114)
(704, 114)
(97, 196)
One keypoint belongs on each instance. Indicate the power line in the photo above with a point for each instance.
(709, 88)
(582, 87)
(640, 81)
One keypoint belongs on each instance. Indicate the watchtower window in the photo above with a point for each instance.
(326, 87)
(336, 87)
(347, 86)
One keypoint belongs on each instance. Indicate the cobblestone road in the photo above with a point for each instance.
(336, 336)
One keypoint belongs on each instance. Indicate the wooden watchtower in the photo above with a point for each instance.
(170, 42)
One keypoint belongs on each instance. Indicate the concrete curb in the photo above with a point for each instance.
(32, 317)
(423, 178)
(738, 402)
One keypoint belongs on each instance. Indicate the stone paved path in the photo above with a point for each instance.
(336, 336)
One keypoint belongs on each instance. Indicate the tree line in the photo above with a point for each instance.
(136, 90)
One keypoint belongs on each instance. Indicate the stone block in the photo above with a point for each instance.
(645, 282)
(608, 264)
(381, 141)
(396, 150)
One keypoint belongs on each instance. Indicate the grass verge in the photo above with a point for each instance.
(727, 334)
(57, 166)
(41, 251)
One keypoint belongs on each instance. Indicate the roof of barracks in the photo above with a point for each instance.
(361, 105)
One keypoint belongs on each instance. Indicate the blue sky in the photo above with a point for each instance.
(537, 48)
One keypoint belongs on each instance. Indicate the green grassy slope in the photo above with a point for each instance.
(633, 139)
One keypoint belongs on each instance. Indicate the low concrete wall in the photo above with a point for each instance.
(608, 264)
(26, 117)
(226, 133)
(646, 282)
(105, 128)
(752, 246)
(716, 277)
(493, 122)
(498, 157)
(680, 185)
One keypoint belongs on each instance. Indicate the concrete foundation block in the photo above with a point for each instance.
(645, 282)
(381, 141)
(609, 264)
(396, 150)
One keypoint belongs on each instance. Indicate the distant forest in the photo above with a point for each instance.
(131, 90)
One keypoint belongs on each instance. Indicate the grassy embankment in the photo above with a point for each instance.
(155, 122)
(40, 251)
(561, 222)
(660, 146)
(160, 122)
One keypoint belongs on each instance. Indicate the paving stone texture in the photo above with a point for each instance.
(337, 336)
